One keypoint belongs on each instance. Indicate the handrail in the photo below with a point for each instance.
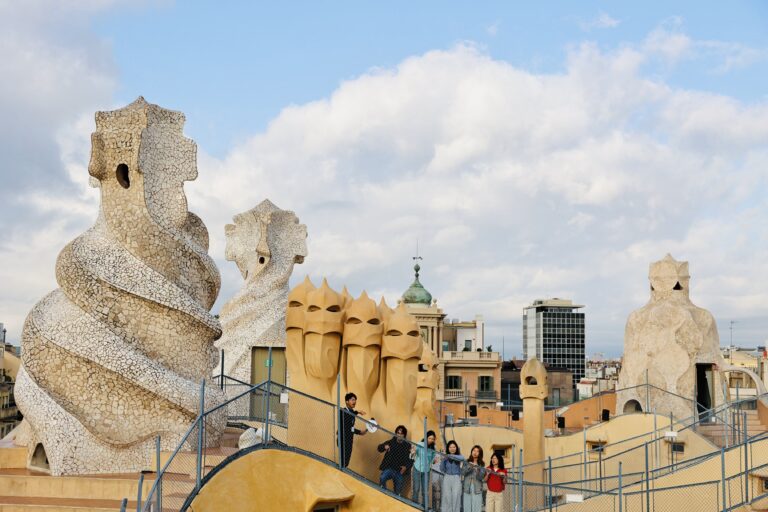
(233, 379)
(681, 424)
(669, 392)
(240, 395)
(653, 474)
(159, 476)
(195, 424)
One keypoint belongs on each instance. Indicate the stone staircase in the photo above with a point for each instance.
(717, 433)
(23, 490)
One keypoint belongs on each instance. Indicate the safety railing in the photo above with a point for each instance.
(740, 483)
(596, 465)
(609, 477)
(264, 414)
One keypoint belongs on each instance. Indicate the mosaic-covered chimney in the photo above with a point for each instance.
(115, 356)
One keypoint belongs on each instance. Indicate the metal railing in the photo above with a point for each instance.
(265, 409)
(633, 474)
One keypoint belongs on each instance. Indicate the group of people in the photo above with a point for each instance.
(459, 480)
(456, 482)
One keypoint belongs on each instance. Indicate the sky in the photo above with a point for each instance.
(533, 151)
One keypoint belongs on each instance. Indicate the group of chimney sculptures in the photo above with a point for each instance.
(114, 357)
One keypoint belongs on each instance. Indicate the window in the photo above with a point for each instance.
(678, 448)
(485, 383)
(468, 344)
(453, 382)
(503, 451)
(596, 446)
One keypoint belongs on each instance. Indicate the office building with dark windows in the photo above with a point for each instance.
(553, 332)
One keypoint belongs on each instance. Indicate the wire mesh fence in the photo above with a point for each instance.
(645, 472)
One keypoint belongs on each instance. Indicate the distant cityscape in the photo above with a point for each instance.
(475, 375)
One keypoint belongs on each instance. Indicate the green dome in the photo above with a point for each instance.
(416, 293)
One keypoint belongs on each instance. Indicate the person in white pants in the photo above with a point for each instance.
(451, 468)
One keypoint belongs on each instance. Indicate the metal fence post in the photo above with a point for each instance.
(726, 431)
(620, 496)
(584, 455)
(124, 505)
(744, 432)
(647, 483)
(269, 393)
(600, 467)
(221, 384)
(426, 467)
(158, 480)
(201, 419)
(722, 478)
(141, 488)
(549, 474)
(746, 459)
(520, 483)
(655, 439)
(340, 419)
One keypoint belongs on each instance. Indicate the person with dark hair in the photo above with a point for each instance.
(423, 456)
(347, 430)
(450, 467)
(472, 475)
(496, 479)
(397, 460)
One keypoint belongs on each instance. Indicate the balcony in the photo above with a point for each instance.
(486, 395)
(453, 394)
(471, 356)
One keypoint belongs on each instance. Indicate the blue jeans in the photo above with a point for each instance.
(418, 486)
(395, 476)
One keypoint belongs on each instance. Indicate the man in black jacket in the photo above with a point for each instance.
(347, 430)
(397, 460)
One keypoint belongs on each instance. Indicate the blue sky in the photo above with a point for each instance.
(250, 59)
(534, 150)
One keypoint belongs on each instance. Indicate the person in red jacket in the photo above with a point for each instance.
(496, 478)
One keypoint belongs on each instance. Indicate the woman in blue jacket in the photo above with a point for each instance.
(451, 469)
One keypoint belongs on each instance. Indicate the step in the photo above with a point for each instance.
(26, 483)
(30, 504)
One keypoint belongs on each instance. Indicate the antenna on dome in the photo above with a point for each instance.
(417, 257)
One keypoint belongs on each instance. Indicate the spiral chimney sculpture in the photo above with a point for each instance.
(115, 356)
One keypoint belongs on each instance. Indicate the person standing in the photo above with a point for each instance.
(423, 458)
(450, 467)
(472, 475)
(496, 478)
(347, 430)
(436, 483)
(397, 460)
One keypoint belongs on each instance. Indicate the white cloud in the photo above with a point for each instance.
(672, 45)
(733, 55)
(603, 20)
(519, 185)
(55, 74)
